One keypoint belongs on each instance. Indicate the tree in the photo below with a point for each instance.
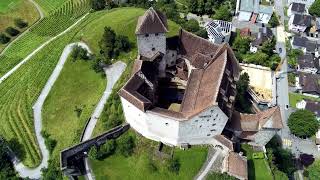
(223, 13)
(193, 6)
(122, 43)
(202, 33)
(98, 4)
(6, 167)
(174, 165)
(303, 123)
(4, 39)
(274, 21)
(107, 42)
(242, 104)
(192, 25)
(12, 31)
(268, 46)
(201, 6)
(20, 23)
(241, 44)
(126, 145)
(293, 55)
(314, 170)
(315, 8)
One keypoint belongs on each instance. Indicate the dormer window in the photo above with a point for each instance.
(153, 49)
(156, 34)
(146, 35)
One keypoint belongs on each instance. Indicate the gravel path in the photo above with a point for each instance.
(113, 73)
(37, 108)
(9, 73)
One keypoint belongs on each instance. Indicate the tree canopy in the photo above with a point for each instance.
(242, 104)
(314, 170)
(223, 13)
(303, 123)
(315, 8)
(274, 21)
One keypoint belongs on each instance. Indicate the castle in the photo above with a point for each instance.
(182, 92)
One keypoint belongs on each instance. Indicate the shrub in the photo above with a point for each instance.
(219, 176)
(274, 22)
(303, 123)
(98, 4)
(79, 52)
(314, 170)
(174, 165)
(50, 143)
(258, 155)
(126, 145)
(4, 39)
(315, 8)
(12, 31)
(192, 25)
(20, 23)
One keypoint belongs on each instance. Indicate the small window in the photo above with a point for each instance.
(153, 49)
(146, 35)
(167, 124)
(213, 124)
(212, 130)
(156, 34)
(172, 55)
(200, 126)
(208, 134)
(196, 120)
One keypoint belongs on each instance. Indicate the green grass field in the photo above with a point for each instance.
(48, 6)
(294, 98)
(78, 86)
(25, 85)
(135, 167)
(7, 5)
(258, 169)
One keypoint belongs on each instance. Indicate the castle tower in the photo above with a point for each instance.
(151, 33)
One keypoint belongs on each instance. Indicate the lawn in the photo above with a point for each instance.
(258, 169)
(136, 166)
(294, 98)
(78, 86)
(8, 5)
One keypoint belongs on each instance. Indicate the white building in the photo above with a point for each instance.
(299, 23)
(219, 31)
(312, 106)
(187, 102)
(182, 89)
(254, 11)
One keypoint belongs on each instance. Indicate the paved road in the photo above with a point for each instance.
(27, 30)
(37, 108)
(113, 73)
(9, 73)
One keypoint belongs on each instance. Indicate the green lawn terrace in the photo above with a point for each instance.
(258, 167)
(146, 163)
(294, 98)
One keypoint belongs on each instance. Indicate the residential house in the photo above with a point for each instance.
(308, 64)
(307, 46)
(297, 8)
(310, 105)
(299, 23)
(253, 11)
(308, 3)
(219, 31)
(308, 84)
(236, 165)
(262, 36)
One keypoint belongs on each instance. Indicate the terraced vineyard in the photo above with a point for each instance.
(19, 92)
(50, 26)
(51, 5)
